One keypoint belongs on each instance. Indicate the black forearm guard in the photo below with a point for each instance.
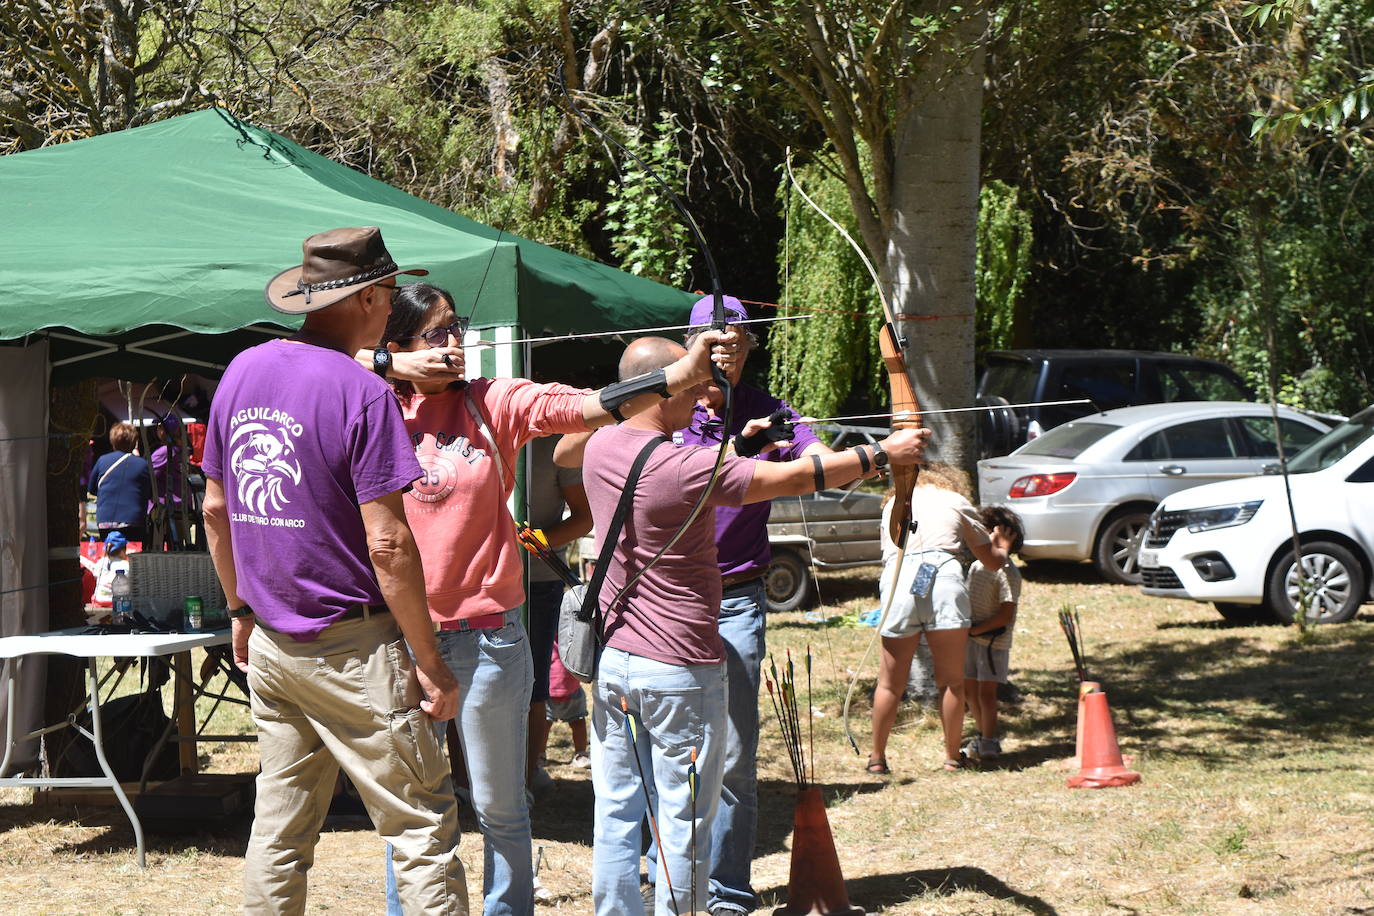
(778, 431)
(617, 393)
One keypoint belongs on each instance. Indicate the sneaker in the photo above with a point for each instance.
(989, 748)
(581, 760)
(542, 783)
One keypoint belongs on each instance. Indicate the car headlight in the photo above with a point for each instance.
(1214, 517)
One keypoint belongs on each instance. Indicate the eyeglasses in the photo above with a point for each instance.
(437, 337)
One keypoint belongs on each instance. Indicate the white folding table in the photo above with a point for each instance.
(90, 646)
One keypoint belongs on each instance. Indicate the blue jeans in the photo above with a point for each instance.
(675, 708)
(494, 673)
(545, 598)
(743, 618)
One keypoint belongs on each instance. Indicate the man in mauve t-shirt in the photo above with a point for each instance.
(306, 460)
(742, 558)
(660, 690)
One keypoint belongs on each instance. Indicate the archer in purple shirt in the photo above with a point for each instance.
(742, 555)
(742, 531)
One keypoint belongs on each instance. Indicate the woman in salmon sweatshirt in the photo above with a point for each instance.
(467, 436)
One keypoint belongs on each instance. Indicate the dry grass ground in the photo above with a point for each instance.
(1254, 747)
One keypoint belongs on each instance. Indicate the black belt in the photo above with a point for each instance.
(358, 611)
(740, 578)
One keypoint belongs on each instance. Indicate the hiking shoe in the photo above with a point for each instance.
(989, 748)
(581, 760)
(542, 783)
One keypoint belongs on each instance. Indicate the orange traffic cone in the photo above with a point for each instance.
(815, 886)
(1101, 757)
(1084, 688)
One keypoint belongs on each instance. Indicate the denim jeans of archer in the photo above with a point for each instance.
(674, 708)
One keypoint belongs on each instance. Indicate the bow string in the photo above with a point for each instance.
(906, 415)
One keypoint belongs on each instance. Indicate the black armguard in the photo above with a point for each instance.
(779, 431)
(617, 393)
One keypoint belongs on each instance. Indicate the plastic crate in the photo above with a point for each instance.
(162, 581)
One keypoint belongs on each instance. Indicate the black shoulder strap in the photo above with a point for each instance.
(591, 604)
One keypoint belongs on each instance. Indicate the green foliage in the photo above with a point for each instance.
(1342, 108)
(1304, 267)
(1004, 252)
(818, 362)
(1330, 113)
(648, 235)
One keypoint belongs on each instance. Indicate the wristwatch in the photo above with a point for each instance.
(381, 361)
(879, 456)
(238, 612)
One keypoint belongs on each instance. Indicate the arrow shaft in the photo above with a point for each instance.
(593, 334)
(927, 413)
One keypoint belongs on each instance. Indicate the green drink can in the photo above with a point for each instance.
(194, 611)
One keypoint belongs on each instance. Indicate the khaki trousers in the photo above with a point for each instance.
(347, 699)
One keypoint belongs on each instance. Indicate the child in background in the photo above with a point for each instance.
(993, 596)
(105, 569)
(567, 703)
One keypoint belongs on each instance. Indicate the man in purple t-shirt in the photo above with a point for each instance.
(660, 689)
(306, 460)
(742, 557)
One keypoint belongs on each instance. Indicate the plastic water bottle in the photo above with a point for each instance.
(122, 599)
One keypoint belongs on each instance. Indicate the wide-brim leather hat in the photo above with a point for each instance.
(336, 264)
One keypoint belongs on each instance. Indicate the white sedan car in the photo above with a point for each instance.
(1232, 543)
(1086, 489)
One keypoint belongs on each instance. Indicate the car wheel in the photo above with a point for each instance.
(1242, 614)
(998, 427)
(1336, 578)
(1114, 553)
(788, 582)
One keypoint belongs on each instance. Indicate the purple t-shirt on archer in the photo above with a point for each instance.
(742, 531)
(670, 613)
(300, 436)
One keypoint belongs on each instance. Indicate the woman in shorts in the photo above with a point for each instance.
(931, 601)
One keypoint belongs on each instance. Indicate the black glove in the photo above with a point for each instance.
(778, 430)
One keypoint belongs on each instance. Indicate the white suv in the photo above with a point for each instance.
(1231, 543)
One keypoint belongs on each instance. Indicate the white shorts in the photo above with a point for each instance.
(984, 663)
(945, 608)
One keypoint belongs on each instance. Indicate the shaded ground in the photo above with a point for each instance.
(1253, 743)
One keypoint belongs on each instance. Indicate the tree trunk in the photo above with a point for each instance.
(932, 239)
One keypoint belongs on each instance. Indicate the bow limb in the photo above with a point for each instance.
(906, 410)
(717, 323)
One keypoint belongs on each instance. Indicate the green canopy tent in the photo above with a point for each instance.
(144, 253)
(147, 250)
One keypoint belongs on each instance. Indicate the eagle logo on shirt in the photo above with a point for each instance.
(263, 462)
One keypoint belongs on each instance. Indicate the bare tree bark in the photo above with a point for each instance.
(931, 245)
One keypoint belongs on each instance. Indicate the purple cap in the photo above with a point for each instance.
(702, 311)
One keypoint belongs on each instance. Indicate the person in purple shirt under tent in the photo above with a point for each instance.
(659, 695)
(169, 518)
(306, 460)
(743, 556)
